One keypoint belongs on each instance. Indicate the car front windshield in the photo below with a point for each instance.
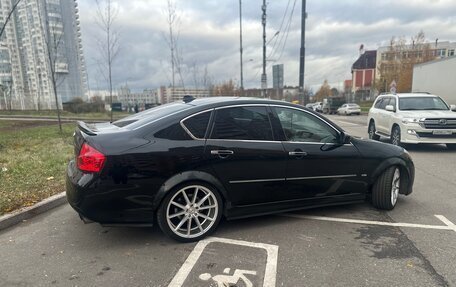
(422, 103)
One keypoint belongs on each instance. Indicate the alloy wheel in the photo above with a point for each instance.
(396, 137)
(371, 131)
(395, 186)
(192, 211)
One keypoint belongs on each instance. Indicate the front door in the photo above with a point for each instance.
(318, 165)
(244, 155)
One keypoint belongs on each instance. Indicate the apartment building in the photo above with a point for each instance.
(128, 98)
(170, 94)
(41, 40)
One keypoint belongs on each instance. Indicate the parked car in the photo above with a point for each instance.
(413, 118)
(187, 164)
(331, 104)
(317, 106)
(349, 109)
(310, 105)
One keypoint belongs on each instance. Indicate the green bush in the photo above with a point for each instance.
(78, 106)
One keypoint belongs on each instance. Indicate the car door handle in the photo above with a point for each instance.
(222, 152)
(297, 153)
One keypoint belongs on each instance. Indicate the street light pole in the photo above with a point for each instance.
(264, 83)
(302, 55)
(241, 49)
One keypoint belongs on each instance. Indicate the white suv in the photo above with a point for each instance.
(413, 118)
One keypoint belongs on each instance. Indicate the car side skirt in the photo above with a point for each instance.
(236, 212)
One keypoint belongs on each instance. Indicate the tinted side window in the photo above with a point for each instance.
(378, 103)
(300, 126)
(384, 103)
(242, 123)
(173, 132)
(197, 125)
(392, 102)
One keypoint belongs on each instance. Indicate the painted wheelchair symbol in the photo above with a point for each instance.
(223, 280)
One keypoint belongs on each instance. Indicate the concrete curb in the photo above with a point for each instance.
(22, 214)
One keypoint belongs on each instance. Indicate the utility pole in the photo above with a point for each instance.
(264, 82)
(241, 50)
(305, 98)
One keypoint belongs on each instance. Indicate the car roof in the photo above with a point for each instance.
(227, 101)
(410, 95)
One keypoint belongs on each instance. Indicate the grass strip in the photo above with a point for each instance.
(32, 163)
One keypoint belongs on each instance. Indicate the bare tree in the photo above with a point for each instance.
(397, 63)
(172, 39)
(323, 92)
(108, 45)
(195, 72)
(172, 19)
(53, 37)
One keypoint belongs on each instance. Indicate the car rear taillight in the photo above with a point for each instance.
(90, 159)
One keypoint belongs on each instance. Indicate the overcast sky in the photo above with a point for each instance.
(209, 37)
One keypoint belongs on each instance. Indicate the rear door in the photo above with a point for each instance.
(245, 156)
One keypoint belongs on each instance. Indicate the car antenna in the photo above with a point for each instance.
(188, 98)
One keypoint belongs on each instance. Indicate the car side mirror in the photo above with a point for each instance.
(390, 108)
(344, 138)
(453, 108)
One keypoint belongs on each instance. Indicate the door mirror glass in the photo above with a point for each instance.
(390, 108)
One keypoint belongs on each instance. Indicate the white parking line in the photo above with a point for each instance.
(271, 261)
(447, 222)
(449, 225)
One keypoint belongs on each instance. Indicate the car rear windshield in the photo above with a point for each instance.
(150, 115)
(422, 103)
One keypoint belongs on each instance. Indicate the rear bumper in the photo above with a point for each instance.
(99, 200)
(76, 188)
(358, 111)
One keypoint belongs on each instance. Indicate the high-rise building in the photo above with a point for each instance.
(41, 44)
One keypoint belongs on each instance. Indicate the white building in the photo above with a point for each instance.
(129, 99)
(168, 94)
(437, 77)
(36, 27)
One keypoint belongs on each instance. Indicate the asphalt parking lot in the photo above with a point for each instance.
(355, 245)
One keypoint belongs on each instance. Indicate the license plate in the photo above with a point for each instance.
(442, 132)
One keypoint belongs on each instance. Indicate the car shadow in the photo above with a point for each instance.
(422, 148)
(113, 237)
(362, 211)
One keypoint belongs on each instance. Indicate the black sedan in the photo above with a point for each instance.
(187, 164)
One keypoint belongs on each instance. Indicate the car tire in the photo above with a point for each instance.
(386, 188)
(396, 136)
(451, 146)
(371, 131)
(186, 217)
